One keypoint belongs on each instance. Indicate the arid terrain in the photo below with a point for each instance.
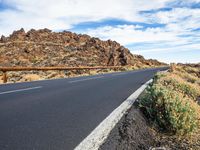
(166, 115)
(44, 48)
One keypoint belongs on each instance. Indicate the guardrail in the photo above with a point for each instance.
(6, 69)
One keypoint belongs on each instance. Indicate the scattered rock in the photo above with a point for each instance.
(46, 48)
(3, 39)
(18, 35)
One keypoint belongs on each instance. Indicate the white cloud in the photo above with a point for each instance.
(62, 14)
(177, 16)
(166, 40)
(128, 34)
(178, 48)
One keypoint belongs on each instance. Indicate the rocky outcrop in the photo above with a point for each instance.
(46, 48)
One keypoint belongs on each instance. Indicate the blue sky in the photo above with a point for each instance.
(167, 30)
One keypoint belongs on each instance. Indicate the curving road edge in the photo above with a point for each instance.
(94, 140)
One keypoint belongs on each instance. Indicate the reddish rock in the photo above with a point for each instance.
(3, 39)
(46, 48)
(18, 35)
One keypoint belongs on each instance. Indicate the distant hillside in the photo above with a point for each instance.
(46, 48)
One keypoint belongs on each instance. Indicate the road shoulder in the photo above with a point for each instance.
(131, 132)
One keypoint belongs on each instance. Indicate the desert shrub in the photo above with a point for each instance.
(188, 70)
(169, 109)
(105, 70)
(191, 70)
(198, 82)
(188, 77)
(123, 69)
(176, 83)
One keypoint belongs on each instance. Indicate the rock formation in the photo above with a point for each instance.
(46, 48)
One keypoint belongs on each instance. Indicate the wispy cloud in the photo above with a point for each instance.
(63, 14)
(156, 26)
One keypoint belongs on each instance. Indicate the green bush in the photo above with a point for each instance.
(186, 88)
(169, 109)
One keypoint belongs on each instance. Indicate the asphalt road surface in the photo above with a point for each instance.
(59, 114)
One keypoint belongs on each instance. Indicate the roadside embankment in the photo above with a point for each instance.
(166, 114)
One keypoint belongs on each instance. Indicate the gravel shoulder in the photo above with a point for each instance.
(133, 132)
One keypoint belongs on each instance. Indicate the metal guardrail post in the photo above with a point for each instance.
(4, 77)
(6, 69)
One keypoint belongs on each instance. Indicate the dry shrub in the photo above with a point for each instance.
(190, 74)
(169, 102)
(176, 83)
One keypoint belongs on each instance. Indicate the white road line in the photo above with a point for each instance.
(20, 90)
(85, 79)
(94, 140)
(118, 74)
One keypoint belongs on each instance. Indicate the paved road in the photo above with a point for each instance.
(59, 114)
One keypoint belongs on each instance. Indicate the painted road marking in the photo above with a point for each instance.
(94, 140)
(86, 79)
(21, 90)
(118, 74)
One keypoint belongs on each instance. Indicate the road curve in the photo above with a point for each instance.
(59, 114)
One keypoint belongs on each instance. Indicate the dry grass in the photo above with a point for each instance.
(19, 76)
(171, 102)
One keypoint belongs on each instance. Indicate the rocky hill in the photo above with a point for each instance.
(46, 48)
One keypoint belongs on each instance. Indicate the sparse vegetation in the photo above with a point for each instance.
(171, 101)
(45, 48)
(166, 116)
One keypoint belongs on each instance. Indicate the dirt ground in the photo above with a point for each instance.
(133, 132)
